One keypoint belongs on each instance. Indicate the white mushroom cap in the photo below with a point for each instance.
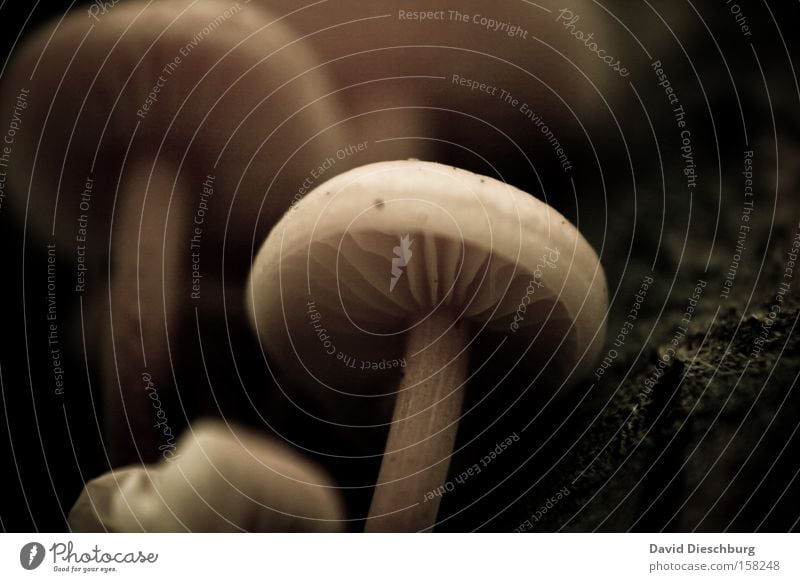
(210, 88)
(219, 478)
(156, 143)
(483, 250)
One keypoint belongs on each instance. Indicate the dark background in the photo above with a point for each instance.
(713, 447)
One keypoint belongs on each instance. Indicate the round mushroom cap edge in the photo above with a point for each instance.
(479, 211)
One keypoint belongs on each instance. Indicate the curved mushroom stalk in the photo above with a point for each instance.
(424, 426)
(220, 478)
(159, 141)
(146, 294)
(433, 255)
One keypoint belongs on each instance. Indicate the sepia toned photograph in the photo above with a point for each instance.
(392, 267)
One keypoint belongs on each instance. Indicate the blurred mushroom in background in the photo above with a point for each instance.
(221, 478)
(158, 142)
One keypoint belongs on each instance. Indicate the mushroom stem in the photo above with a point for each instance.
(148, 243)
(423, 429)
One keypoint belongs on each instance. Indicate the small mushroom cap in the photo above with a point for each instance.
(372, 252)
(219, 478)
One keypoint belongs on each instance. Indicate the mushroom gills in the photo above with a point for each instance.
(438, 274)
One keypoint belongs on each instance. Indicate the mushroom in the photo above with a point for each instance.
(157, 140)
(386, 274)
(220, 478)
